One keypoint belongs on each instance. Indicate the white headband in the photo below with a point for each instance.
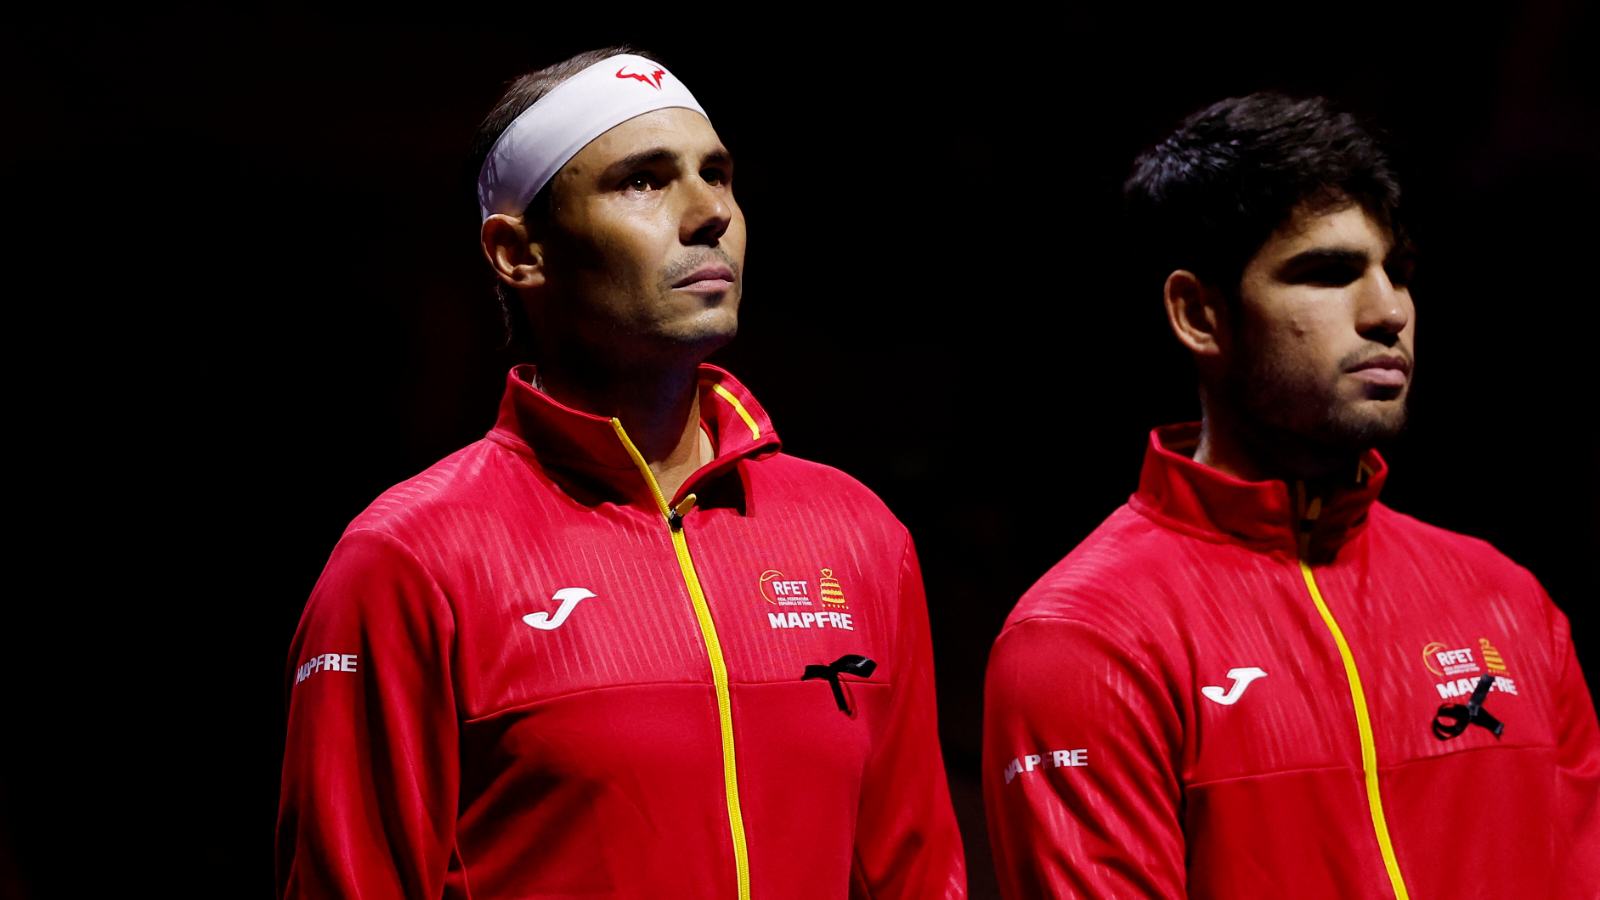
(535, 146)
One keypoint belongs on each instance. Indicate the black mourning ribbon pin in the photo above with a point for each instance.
(1453, 718)
(849, 664)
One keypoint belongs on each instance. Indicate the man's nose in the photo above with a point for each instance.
(1382, 307)
(707, 213)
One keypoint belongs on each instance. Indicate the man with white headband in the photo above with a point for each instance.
(623, 646)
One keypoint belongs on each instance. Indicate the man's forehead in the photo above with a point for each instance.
(679, 132)
(1346, 225)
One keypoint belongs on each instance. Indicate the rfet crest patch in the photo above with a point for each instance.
(804, 604)
(1457, 666)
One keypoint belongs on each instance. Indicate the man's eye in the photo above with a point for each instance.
(715, 176)
(1329, 276)
(641, 181)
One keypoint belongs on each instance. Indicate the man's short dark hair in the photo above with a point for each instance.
(521, 93)
(1208, 196)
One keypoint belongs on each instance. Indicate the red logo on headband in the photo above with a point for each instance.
(653, 79)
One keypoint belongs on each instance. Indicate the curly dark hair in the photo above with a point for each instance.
(1209, 195)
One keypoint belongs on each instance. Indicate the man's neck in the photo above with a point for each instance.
(1230, 445)
(659, 409)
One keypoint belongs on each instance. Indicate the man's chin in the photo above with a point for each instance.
(706, 334)
(1362, 429)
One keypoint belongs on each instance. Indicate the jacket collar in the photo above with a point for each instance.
(584, 453)
(1270, 515)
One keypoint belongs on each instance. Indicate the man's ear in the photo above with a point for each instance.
(516, 258)
(1195, 310)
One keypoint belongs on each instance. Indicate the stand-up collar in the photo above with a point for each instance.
(1281, 515)
(563, 440)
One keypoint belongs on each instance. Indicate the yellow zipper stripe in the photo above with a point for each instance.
(1369, 750)
(719, 679)
(719, 669)
(755, 430)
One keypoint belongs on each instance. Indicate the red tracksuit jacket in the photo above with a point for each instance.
(524, 673)
(1225, 693)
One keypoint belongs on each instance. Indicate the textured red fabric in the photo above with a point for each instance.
(1174, 793)
(463, 752)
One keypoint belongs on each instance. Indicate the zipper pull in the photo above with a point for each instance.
(676, 514)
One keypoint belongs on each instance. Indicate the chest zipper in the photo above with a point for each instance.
(1358, 696)
(719, 670)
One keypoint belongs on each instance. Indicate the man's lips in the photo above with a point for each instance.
(1385, 371)
(713, 277)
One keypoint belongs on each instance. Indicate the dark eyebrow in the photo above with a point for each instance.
(1319, 257)
(644, 159)
(656, 156)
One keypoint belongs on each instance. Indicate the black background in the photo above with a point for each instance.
(245, 296)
